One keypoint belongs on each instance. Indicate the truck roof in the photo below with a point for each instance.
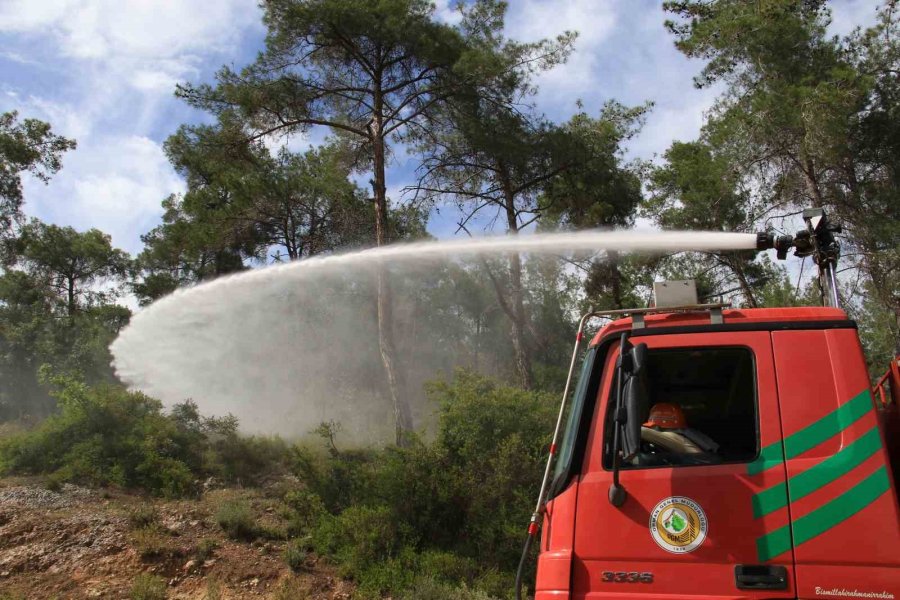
(730, 316)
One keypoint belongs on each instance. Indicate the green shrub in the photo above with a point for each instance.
(341, 479)
(302, 510)
(205, 549)
(166, 476)
(245, 459)
(395, 573)
(236, 519)
(291, 588)
(148, 587)
(103, 435)
(295, 554)
(153, 542)
(495, 438)
(358, 537)
(143, 515)
(106, 435)
(448, 567)
(451, 510)
(53, 482)
(426, 588)
(499, 584)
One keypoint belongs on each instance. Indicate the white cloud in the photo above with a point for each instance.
(65, 119)
(148, 44)
(678, 120)
(108, 70)
(446, 12)
(296, 142)
(115, 184)
(846, 15)
(130, 28)
(532, 20)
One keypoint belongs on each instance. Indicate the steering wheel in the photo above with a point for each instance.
(656, 454)
(659, 450)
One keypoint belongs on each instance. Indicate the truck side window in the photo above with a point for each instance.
(702, 409)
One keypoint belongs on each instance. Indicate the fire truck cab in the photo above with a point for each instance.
(775, 480)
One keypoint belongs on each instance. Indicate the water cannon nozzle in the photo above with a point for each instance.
(766, 240)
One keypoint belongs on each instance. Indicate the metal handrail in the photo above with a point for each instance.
(893, 373)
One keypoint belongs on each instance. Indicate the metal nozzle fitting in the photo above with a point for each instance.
(766, 240)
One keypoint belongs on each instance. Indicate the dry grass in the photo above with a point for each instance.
(291, 588)
(153, 542)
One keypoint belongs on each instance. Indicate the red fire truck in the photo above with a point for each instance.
(709, 452)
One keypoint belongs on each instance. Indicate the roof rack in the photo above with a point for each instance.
(637, 314)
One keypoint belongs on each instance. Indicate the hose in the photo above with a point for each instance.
(520, 572)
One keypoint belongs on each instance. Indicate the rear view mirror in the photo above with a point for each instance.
(632, 400)
(636, 400)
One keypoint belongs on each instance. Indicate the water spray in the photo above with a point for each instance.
(286, 347)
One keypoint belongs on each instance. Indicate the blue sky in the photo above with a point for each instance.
(104, 71)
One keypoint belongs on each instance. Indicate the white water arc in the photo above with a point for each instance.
(286, 347)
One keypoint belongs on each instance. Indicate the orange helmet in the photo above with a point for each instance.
(666, 416)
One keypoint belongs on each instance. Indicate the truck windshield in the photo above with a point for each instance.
(567, 443)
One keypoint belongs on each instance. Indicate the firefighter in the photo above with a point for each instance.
(667, 428)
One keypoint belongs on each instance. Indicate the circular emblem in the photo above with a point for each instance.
(678, 525)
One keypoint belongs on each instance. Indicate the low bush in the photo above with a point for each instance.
(451, 510)
(236, 519)
(291, 588)
(54, 483)
(106, 435)
(143, 515)
(102, 436)
(302, 509)
(426, 588)
(153, 542)
(148, 587)
(448, 567)
(295, 554)
(358, 537)
(204, 549)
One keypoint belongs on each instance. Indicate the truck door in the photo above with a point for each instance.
(691, 525)
(845, 525)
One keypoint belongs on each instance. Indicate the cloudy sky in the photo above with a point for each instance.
(103, 72)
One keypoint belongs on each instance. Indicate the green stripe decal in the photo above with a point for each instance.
(813, 434)
(824, 518)
(769, 456)
(772, 544)
(815, 477)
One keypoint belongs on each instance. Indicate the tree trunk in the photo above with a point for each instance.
(516, 310)
(402, 414)
(616, 278)
(70, 306)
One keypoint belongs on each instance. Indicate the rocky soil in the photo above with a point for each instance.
(80, 543)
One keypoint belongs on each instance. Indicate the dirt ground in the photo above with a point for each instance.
(80, 543)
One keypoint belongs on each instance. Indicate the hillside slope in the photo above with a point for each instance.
(80, 543)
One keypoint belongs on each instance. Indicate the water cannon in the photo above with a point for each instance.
(766, 240)
(817, 241)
